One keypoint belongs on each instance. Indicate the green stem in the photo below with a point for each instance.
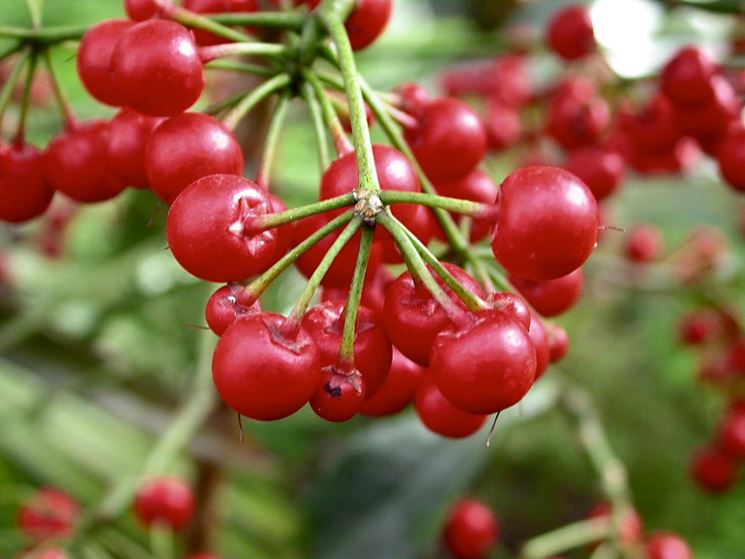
(259, 285)
(26, 99)
(346, 350)
(227, 103)
(294, 214)
(333, 124)
(243, 67)
(35, 9)
(368, 179)
(6, 93)
(236, 114)
(161, 542)
(565, 538)
(46, 35)
(457, 205)
(253, 48)
(272, 140)
(279, 20)
(59, 95)
(198, 21)
(314, 108)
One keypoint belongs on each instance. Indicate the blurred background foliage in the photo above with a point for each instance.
(99, 350)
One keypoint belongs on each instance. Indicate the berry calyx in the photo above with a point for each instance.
(340, 396)
(225, 306)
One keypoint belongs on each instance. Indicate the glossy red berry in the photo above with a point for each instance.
(372, 349)
(477, 186)
(412, 317)
(713, 470)
(205, 38)
(551, 297)
(164, 501)
(577, 118)
(264, 373)
(140, 10)
(699, 326)
(512, 305)
(24, 190)
(225, 306)
(643, 244)
(449, 140)
(570, 33)
(413, 97)
(76, 163)
(486, 366)
(340, 396)
(731, 158)
(601, 169)
(94, 60)
(631, 529)
(665, 545)
(548, 223)
(442, 417)
(129, 133)
(731, 437)
(710, 121)
(49, 513)
(398, 389)
(209, 229)
(187, 147)
(503, 126)
(539, 337)
(558, 342)
(156, 67)
(686, 78)
(470, 530)
(653, 127)
(367, 22)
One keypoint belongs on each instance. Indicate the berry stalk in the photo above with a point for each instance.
(59, 95)
(272, 141)
(242, 67)
(339, 137)
(346, 349)
(236, 114)
(565, 538)
(190, 19)
(7, 91)
(294, 214)
(26, 99)
(248, 48)
(457, 205)
(292, 21)
(44, 35)
(314, 108)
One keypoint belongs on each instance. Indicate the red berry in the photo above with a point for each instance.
(205, 38)
(539, 337)
(209, 229)
(699, 326)
(372, 349)
(477, 186)
(129, 133)
(570, 33)
(558, 343)
(712, 470)
(731, 437)
(643, 244)
(601, 169)
(548, 223)
(76, 163)
(486, 366)
(709, 122)
(654, 127)
(340, 396)
(665, 545)
(367, 21)
(187, 147)
(552, 297)
(94, 60)
(576, 118)
(442, 417)
(262, 372)
(413, 97)
(398, 389)
(512, 305)
(731, 158)
(140, 10)
(49, 513)
(156, 67)
(24, 191)
(686, 78)
(449, 140)
(164, 501)
(470, 530)
(412, 317)
(503, 126)
(224, 307)
(631, 528)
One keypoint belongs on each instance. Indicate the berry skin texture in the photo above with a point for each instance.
(548, 223)
(601, 169)
(665, 545)
(262, 373)
(129, 133)
(140, 10)
(712, 470)
(440, 416)
(94, 60)
(558, 340)
(512, 305)
(372, 349)
(539, 337)
(449, 140)
(643, 244)
(208, 233)
(224, 308)
(24, 191)
(731, 158)
(49, 513)
(367, 22)
(552, 297)
(157, 69)
(398, 389)
(164, 501)
(76, 163)
(471, 529)
(205, 38)
(731, 438)
(187, 147)
(686, 78)
(340, 395)
(486, 366)
(570, 33)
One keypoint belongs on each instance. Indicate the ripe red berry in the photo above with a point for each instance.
(187, 147)
(548, 223)
(76, 163)
(643, 244)
(710, 121)
(340, 396)
(49, 513)
(205, 38)
(209, 229)
(398, 389)
(539, 337)
(140, 10)
(731, 158)
(470, 530)
(552, 297)
(412, 317)
(699, 326)
(224, 307)
(601, 169)
(477, 186)
(712, 470)
(24, 191)
(372, 349)
(262, 372)
(449, 140)
(164, 501)
(558, 341)
(686, 78)
(570, 33)
(129, 133)
(512, 305)
(576, 117)
(731, 438)
(654, 127)
(413, 97)
(503, 126)
(156, 67)
(367, 21)
(94, 60)
(486, 366)
(442, 417)
(631, 529)
(665, 545)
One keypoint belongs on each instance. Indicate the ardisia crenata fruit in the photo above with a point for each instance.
(440, 416)
(665, 545)
(601, 169)
(551, 297)
(341, 394)
(225, 306)
(713, 470)
(140, 10)
(470, 530)
(205, 38)
(398, 389)
(129, 132)
(687, 77)
(731, 437)
(512, 305)
(367, 22)
(94, 60)
(24, 190)
(164, 501)
(570, 33)
(643, 244)
(48, 513)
